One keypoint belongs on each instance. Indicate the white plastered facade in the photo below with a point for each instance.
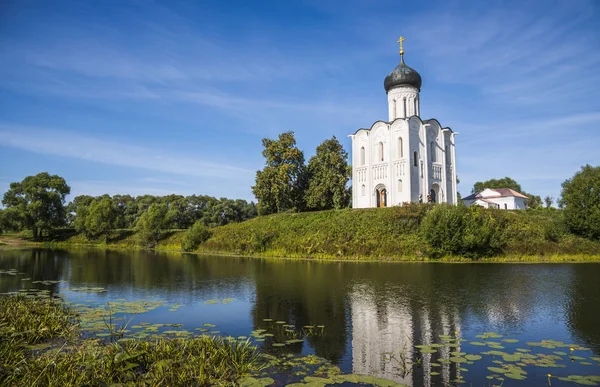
(404, 159)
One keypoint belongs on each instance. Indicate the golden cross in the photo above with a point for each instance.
(400, 41)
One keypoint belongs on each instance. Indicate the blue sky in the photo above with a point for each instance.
(159, 97)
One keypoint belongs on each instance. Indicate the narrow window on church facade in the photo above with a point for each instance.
(380, 151)
(405, 112)
(432, 151)
(447, 155)
(399, 185)
(362, 155)
(415, 159)
(400, 148)
(363, 189)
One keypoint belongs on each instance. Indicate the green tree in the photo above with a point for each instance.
(535, 201)
(281, 184)
(548, 201)
(580, 200)
(3, 221)
(38, 202)
(328, 174)
(152, 223)
(76, 210)
(98, 218)
(194, 236)
(505, 182)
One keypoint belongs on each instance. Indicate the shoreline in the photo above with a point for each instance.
(12, 242)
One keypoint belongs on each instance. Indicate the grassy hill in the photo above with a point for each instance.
(412, 232)
(397, 234)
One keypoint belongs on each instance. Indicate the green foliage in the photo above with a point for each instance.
(535, 201)
(4, 226)
(464, 231)
(37, 202)
(184, 211)
(505, 182)
(328, 173)
(194, 236)
(35, 320)
(199, 361)
(580, 199)
(413, 231)
(280, 186)
(97, 219)
(152, 224)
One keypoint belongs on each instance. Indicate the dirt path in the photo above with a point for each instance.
(14, 241)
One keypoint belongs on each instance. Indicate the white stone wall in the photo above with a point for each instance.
(396, 171)
(403, 102)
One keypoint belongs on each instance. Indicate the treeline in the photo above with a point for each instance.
(38, 204)
(123, 211)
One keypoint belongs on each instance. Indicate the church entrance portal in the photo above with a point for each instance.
(381, 196)
(435, 194)
(432, 197)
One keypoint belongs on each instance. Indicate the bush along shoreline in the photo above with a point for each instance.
(414, 232)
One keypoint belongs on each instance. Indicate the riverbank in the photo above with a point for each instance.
(388, 234)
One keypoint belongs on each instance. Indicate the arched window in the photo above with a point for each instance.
(394, 112)
(415, 101)
(381, 151)
(363, 190)
(362, 155)
(415, 159)
(399, 185)
(400, 148)
(432, 151)
(405, 112)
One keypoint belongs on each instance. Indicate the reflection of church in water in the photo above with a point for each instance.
(404, 159)
(382, 327)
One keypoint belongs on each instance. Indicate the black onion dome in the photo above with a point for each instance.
(402, 75)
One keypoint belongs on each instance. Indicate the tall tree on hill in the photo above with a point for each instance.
(535, 201)
(328, 174)
(38, 202)
(580, 200)
(281, 184)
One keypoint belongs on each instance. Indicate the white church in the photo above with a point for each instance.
(404, 159)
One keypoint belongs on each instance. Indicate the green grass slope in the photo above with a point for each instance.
(397, 234)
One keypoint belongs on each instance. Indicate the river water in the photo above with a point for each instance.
(373, 313)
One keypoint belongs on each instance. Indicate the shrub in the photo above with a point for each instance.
(194, 236)
(466, 231)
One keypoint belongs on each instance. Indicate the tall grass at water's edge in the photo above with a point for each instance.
(28, 325)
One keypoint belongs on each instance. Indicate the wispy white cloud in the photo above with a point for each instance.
(71, 144)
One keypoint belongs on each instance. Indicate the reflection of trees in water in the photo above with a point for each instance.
(36, 264)
(583, 316)
(353, 300)
(304, 293)
(156, 271)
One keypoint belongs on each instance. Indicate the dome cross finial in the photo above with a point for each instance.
(401, 48)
